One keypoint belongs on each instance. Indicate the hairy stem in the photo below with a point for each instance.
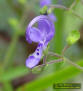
(64, 59)
(67, 9)
(65, 48)
(54, 54)
(58, 6)
(73, 4)
(44, 59)
(51, 62)
(72, 63)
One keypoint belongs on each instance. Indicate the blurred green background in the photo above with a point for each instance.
(14, 18)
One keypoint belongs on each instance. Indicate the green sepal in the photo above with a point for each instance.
(44, 10)
(37, 69)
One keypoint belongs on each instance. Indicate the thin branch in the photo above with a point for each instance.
(51, 62)
(59, 60)
(65, 8)
(65, 48)
(44, 59)
(74, 64)
(75, 14)
(58, 6)
(82, 1)
(73, 4)
(54, 54)
(55, 61)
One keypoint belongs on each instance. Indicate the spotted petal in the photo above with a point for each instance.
(34, 59)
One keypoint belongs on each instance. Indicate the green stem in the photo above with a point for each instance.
(10, 53)
(65, 48)
(54, 54)
(77, 15)
(65, 59)
(51, 62)
(74, 64)
(58, 39)
(44, 59)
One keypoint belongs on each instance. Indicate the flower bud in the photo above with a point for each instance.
(73, 37)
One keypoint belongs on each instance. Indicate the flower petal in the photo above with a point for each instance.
(44, 2)
(52, 17)
(28, 38)
(32, 62)
(43, 26)
(35, 34)
(34, 59)
(46, 28)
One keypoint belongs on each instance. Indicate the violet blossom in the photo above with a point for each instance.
(42, 34)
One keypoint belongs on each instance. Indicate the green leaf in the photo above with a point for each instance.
(49, 80)
(13, 73)
(7, 86)
(73, 37)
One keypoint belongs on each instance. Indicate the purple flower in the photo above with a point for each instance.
(48, 2)
(42, 34)
(45, 2)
